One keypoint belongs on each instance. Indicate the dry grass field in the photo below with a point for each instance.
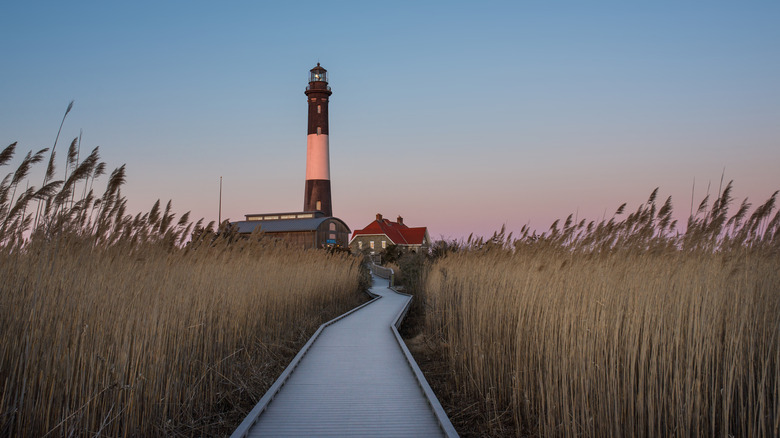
(619, 328)
(114, 325)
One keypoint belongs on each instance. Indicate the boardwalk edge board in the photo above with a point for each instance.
(243, 428)
(433, 401)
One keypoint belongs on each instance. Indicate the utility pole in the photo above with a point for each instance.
(220, 201)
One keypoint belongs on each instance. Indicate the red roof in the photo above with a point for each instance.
(397, 232)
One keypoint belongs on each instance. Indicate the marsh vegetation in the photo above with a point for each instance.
(142, 325)
(623, 327)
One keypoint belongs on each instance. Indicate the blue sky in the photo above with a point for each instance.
(458, 116)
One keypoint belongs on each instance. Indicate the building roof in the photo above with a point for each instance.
(284, 225)
(397, 232)
(288, 215)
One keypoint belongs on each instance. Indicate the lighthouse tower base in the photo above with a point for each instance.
(317, 196)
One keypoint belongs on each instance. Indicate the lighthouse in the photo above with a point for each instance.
(315, 226)
(317, 193)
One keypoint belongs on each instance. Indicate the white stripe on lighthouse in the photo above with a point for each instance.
(317, 157)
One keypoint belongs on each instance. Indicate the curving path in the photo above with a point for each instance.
(354, 378)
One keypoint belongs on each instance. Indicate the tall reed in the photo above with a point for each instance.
(143, 325)
(618, 328)
(149, 341)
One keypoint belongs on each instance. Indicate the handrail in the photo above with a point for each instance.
(383, 272)
(433, 401)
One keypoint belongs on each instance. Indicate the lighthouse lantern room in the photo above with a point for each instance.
(318, 74)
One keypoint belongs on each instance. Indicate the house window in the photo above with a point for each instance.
(319, 109)
(371, 244)
(384, 244)
(332, 226)
(360, 244)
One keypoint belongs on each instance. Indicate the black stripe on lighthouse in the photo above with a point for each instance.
(317, 193)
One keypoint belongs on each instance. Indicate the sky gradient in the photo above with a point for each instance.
(458, 116)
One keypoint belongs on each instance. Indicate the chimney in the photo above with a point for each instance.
(400, 220)
(379, 217)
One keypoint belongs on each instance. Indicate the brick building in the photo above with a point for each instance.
(381, 233)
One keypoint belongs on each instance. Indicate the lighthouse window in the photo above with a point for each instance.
(319, 109)
(319, 130)
(319, 203)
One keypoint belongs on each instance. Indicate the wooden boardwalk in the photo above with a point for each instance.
(354, 377)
